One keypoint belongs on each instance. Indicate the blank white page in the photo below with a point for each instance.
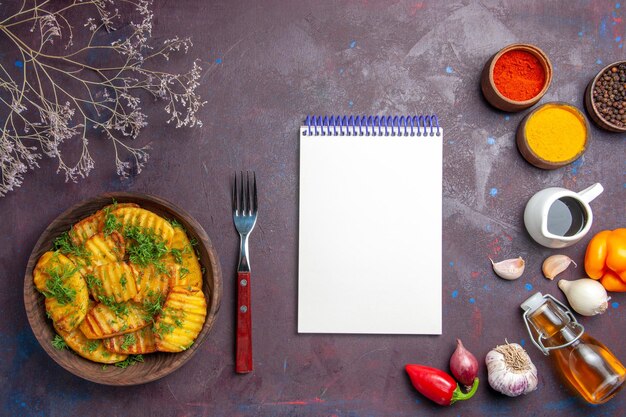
(370, 234)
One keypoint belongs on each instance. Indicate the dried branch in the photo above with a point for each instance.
(63, 98)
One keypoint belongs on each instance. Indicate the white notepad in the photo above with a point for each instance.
(370, 225)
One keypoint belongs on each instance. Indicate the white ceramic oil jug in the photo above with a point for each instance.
(557, 217)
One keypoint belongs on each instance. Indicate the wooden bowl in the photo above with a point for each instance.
(158, 364)
(531, 156)
(491, 92)
(593, 110)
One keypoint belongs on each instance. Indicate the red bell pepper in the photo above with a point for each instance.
(437, 385)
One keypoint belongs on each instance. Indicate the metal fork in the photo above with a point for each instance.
(245, 205)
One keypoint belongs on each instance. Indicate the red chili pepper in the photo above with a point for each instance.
(437, 385)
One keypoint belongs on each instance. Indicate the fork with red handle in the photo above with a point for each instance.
(245, 207)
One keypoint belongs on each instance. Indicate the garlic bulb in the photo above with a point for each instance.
(586, 296)
(510, 370)
(555, 264)
(509, 269)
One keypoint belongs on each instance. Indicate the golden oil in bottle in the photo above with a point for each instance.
(588, 365)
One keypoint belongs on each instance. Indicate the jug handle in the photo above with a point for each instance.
(590, 193)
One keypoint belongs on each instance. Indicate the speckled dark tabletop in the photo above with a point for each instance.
(268, 64)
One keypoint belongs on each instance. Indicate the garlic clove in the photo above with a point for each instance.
(555, 264)
(509, 269)
(586, 296)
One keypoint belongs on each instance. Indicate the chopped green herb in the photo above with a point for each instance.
(123, 280)
(129, 340)
(177, 254)
(58, 343)
(193, 241)
(65, 245)
(163, 329)
(178, 322)
(130, 361)
(153, 304)
(55, 285)
(92, 346)
(111, 223)
(175, 224)
(145, 247)
(161, 268)
(104, 367)
(184, 272)
(92, 281)
(120, 309)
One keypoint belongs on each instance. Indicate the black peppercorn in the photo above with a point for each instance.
(609, 95)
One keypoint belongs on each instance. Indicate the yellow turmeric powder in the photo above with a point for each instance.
(556, 132)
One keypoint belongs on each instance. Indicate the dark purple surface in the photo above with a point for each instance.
(268, 64)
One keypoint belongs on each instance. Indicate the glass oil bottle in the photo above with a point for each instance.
(584, 362)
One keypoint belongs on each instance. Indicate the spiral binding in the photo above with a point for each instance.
(372, 125)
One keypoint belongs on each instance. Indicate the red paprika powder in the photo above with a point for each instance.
(519, 75)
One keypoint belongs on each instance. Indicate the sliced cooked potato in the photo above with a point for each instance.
(89, 226)
(136, 343)
(152, 283)
(181, 319)
(114, 319)
(66, 294)
(175, 276)
(146, 220)
(101, 249)
(93, 350)
(183, 253)
(47, 261)
(104, 249)
(113, 281)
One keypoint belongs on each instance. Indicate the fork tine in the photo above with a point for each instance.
(234, 194)
(244, 194)
(239, 192)
(256, 202)
(237, 195)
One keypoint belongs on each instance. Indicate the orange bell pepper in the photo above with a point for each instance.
(605, 259)
(612, 282)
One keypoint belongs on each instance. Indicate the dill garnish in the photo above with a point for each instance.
(58, 343)
(130, 361)
(65, 245)
(92, 346)
(92, 281)
(111, 223)
(153, 304)
(163, 329)
(175, 224)
(177, 254)
(145, 248)
(120, 309)
(55, 285)
(184, 272)
(129, 340)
